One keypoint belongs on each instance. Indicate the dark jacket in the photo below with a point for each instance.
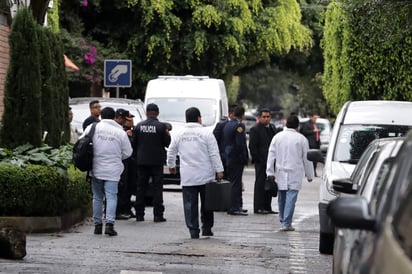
(150, 138)
(88, 121)
(218, 133)
(260, 137)
(234, 136)
(307, 130)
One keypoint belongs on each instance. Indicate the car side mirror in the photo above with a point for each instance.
(315, 155)
(344, 186)
(351, 213)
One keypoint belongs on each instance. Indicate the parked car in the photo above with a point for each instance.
(386, 221)
(367, 180)
(80, 108)
(357, 124)
(249, 120)
(325, 129)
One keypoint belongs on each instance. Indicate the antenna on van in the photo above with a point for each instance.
(185, 77)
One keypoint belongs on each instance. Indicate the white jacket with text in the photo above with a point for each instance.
(198, 152)
(110, 146)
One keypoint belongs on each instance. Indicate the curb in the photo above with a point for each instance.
(46, 224)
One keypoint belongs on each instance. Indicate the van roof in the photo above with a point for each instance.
(379, 112)
(185, 86)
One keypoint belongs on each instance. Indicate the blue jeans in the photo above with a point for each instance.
(102, 189)
(286, 203)
(191, 208)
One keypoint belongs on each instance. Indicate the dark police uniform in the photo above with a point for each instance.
(218, 133)
(236, 157)
(150, 139)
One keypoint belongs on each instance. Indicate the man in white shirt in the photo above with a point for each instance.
(110, 146)
(289, 149)
(199, 164)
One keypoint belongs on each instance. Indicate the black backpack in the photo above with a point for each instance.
(83, 151)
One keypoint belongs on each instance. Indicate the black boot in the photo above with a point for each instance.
(109, 230)
(98, 229)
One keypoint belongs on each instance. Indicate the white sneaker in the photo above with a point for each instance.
(287, 228)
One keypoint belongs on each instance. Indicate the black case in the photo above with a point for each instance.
(218, 195)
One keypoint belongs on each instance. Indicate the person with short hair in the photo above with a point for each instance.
(74, 135)
(151, 138)
(124, 193)
(236, 157)
(218, 133)
(110, 146)
(94, 107)
(199, 164)
(311, 131)
(289, 149)
(260, 136)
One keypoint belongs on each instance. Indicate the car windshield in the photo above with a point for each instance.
(173, 109)
(353, 139)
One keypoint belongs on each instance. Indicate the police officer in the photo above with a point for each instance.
(236, 157)
(151, 137)
(218, 133)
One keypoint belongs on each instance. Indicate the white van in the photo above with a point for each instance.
(175, 94)
(357, 124)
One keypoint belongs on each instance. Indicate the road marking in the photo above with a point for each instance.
(138, 272)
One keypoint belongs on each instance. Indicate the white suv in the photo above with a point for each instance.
(357, 124)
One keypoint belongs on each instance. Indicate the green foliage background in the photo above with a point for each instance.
(36, 92)
(367, 51)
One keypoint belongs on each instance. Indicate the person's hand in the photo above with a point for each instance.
(271, 178)
(172, 170)
(219, 176)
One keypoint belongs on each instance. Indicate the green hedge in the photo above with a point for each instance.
(37, 190)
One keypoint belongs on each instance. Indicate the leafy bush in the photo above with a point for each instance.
(40, 182)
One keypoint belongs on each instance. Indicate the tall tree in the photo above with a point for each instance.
(22, 96)
(216, 38)
(367, 51)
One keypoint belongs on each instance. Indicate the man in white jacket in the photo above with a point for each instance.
(110, 146)
(289, 149)
(199, 164)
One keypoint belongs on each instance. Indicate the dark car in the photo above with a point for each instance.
(385, 220)
(366, 181)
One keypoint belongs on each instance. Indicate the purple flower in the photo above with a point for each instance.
(85, 3)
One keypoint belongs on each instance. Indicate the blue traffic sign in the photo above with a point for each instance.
(117, 73)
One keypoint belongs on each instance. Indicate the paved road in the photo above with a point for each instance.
(250, 244)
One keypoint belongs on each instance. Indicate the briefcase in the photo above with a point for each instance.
(218, 195)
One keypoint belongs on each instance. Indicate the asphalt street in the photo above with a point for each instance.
(241, 244)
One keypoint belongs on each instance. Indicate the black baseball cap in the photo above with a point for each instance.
(122, 113)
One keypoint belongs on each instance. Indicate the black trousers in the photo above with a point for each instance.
(144, 173)
(127, 187)
(235, 173)
(191, 208)
(261, 198)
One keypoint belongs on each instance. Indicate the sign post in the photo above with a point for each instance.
(118, 73)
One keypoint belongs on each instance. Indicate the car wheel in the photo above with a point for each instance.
(326, 243)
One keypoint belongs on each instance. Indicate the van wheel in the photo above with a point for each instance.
(326, 243)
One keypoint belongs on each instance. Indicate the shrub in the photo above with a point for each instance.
(36, 190)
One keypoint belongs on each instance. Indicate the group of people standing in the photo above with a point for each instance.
(127, 157)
